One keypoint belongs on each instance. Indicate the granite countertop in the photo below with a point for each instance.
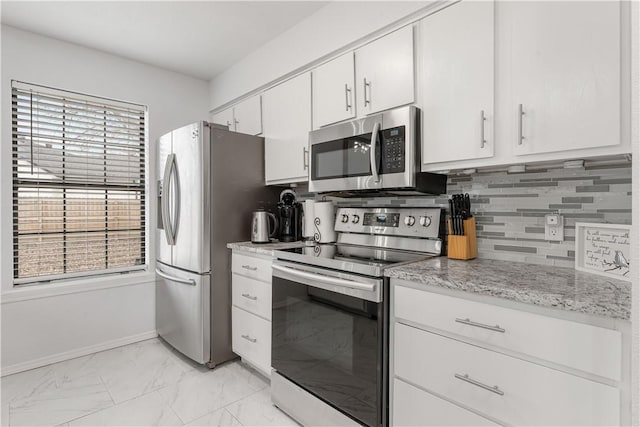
(555, 287)
(264, 248)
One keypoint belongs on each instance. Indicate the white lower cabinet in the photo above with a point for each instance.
(462, 362)
(416, 407)
(251, 309)
(251, 339)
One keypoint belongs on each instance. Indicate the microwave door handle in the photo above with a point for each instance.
(369, 287)
(166, 191)
(372, 157)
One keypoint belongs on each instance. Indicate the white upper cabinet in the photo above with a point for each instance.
(333, 91)
(247, 116)
(286, 125)
(384, 72)
(224, 118)
(564, 78)
(456, 74)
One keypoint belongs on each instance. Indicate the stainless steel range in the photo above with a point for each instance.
(330, 315)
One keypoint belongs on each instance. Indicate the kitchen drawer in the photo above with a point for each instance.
(251, 339)
(527, 394)
(251, 266)
(251, 295)
(577, 345)
(415, 407)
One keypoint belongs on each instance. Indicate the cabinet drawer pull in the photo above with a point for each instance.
(305, 158)
(248, 338)
(483, 119)
(470, 322)
(249, 296)
(495, 389)
(248, 267)
(347, 96)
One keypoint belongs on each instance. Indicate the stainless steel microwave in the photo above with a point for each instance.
(377, 154)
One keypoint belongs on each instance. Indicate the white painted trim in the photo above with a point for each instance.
(85, 284)
(79, 352)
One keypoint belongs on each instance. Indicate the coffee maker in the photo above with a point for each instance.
(289, 217)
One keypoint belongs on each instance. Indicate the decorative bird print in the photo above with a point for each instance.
(620, 262)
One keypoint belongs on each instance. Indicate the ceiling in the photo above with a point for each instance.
(197, 38)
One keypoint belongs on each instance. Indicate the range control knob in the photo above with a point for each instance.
(409, 220)
(345, 218)
(425, 221)
(355, 219)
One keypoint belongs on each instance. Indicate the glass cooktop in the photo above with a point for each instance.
(353, 258)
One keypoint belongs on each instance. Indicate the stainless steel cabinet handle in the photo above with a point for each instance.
(367, 84)
(248, 338)
(177, 198)
(521, 113)
(495, 389)
(483, 119)
(470, 322)
(248, 267)
(249, 296)
(166, 220)
(372, 157)
(305, 157)
(175, 279)
(347, 96)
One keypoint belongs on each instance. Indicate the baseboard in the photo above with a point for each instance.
(79, 352)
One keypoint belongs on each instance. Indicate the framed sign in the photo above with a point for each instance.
(604, 249)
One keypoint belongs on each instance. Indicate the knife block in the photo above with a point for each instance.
(463, 247)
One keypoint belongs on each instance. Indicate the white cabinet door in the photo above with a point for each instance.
(456, 83)
(564, 72)
(415, 407)
(286, 123)
(224, 118)
(333, 91)
(384, 72)
(247, 116)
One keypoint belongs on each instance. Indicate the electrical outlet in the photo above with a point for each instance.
(554, 227)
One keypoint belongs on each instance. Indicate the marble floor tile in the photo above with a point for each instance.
(257, 410)
(147, 410)
(51, 403)
(219, 418)
(202, 392)
(24, 383)
(4, 415)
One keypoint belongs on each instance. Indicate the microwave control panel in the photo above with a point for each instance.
(393, 150)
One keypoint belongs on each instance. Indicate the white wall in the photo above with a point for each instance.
(45, 323)
(332, 27)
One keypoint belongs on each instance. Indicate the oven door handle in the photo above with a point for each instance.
(369, 287)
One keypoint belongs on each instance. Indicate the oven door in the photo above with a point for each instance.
(328, 337)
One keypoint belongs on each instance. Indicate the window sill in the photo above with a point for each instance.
(87, 284)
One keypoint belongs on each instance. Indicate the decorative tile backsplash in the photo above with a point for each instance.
(510, 208)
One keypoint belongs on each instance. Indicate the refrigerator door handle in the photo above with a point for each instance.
(176, 179)
(166, 219)
(175, 279)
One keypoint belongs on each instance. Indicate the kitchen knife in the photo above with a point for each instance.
(452, 216)
(467, 205)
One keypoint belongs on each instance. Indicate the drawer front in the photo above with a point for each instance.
(580, 346)
(254, 267)
(251, 339)
(251, 295)
(527, 394)
(415, 407)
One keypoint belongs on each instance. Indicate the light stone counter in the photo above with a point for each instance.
(263, 248)
(554, 287)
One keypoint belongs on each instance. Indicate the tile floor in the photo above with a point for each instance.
(142, 384)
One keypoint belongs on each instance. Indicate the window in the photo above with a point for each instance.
(78, 184)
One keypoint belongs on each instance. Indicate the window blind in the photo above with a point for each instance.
(78, 184)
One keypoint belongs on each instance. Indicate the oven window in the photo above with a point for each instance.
(341, 158)
(329, 344)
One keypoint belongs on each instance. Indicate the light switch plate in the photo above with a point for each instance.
(554, 227)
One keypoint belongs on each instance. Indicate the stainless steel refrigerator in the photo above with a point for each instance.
(210, 180)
